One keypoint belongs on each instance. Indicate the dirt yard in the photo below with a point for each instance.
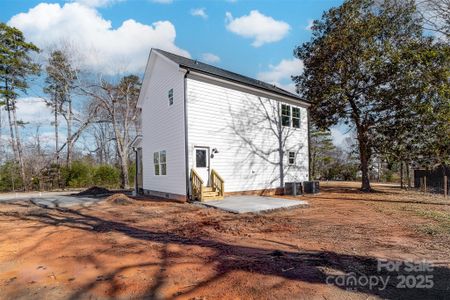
(136, 249)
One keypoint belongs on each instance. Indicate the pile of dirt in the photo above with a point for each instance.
(95, 191)
(119, 199)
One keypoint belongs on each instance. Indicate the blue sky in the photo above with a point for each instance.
(254, 38)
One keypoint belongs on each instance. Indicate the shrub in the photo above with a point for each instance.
(79, 174)
(131, 173)
(106, 176)
(9, 177)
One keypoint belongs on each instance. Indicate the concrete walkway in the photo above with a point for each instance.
(255, 204)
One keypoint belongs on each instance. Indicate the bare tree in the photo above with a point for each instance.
(100, 141)
(118, 102)
(436, 15)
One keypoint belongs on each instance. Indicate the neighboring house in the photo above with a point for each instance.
(208, 132)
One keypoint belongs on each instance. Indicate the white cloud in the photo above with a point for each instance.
(163, 1)
(281, 73)
(310, 24)
(33, 110)
(284, 70)
(210, 58)
(97, 3)
(199, 12)
(261, 28)
(101, 47)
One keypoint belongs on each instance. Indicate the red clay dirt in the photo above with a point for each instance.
(165, 250)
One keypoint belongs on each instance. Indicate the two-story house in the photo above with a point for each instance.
(208, 132)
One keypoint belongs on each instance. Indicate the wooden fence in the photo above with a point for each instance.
(433, 181)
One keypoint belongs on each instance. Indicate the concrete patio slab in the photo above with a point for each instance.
(51, 199)
(255, 204)
(64, 201)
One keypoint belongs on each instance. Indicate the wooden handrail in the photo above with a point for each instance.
(197, 185)
(217, 182)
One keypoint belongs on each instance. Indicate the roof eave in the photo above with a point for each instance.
(267, 91)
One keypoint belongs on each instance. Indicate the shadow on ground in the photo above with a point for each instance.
(305, 266)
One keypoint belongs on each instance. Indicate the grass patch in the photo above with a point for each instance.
(440, 224)
(438, 221)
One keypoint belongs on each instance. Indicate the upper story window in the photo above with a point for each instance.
(290, 116)
(170, 96)
(160, 163)
(285, 115)
(295, 117)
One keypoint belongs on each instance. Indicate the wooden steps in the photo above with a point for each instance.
(205, 193)
(210, 194)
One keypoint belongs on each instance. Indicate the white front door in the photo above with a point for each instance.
(201, 163)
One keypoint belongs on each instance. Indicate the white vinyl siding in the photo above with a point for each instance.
(233, 122)
(163, 128)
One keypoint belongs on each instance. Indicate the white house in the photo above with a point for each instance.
(208, 132)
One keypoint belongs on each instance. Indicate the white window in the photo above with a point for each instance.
(290, 116)
(285, 115)
(295, 117)
(291, 158)
(160, 162)
(170, 96)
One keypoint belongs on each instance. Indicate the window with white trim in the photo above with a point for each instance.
(170, 96)
(290, 116)
(295, 117)
(291, 158)
(160, 162)
(285, 115)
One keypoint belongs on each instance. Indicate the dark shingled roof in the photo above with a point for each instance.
(218, 72)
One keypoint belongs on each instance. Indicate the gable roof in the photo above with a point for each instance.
(187, 63)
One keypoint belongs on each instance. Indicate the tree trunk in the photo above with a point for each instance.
(124, 176)
(408, 176)
(364, 155)
(69, 134)
(401, 174)
(313, 166)
(58, 175)
(10, 123)
(56, 133)
(19, 149)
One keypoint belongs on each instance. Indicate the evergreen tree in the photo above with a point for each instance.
(59, 84)
(321, 151)
(16, 66)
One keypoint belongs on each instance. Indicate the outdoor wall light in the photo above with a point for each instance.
(214, 151)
